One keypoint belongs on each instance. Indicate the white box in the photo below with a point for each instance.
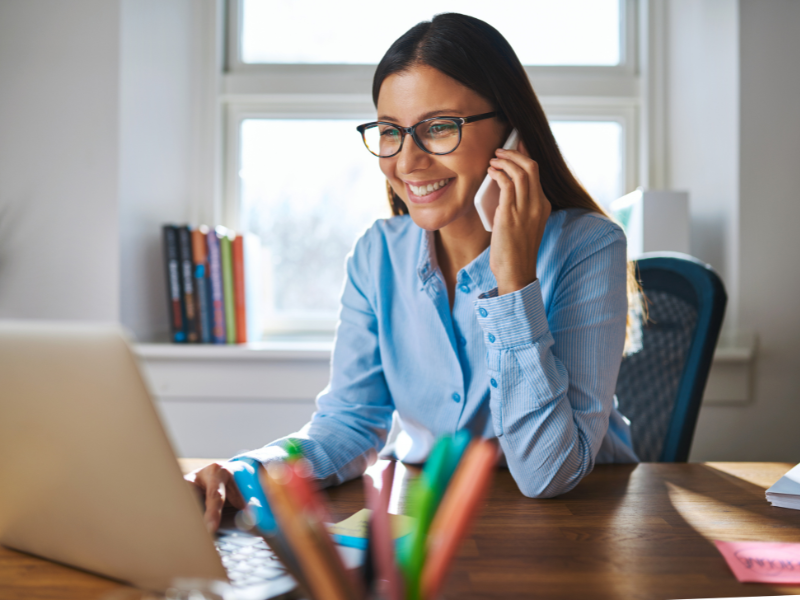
(654, 221)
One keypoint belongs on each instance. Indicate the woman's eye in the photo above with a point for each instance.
(390, 133)
(442, 129)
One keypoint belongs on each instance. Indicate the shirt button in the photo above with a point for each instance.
(482, 312)
(456, 397)
(462, 341)
(493, 381)
(492, 338)
(464, 287)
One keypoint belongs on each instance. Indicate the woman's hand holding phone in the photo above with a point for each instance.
(519, 221)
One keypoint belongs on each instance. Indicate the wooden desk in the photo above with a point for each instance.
(638, 531)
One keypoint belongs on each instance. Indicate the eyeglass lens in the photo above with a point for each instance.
(437, 136)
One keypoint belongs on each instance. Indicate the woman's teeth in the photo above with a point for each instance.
(424, 190)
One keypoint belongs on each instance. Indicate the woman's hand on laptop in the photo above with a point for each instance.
(215, 485)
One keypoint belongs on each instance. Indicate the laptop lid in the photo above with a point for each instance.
(88, 475)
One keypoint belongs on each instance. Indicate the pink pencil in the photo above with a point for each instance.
(382, 542)
(456, 512)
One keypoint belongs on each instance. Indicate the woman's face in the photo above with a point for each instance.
(419, 93)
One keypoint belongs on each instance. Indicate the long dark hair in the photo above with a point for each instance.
(476, 55)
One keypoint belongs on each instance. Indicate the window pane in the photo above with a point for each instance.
(308, 213)
(542, 32)
(594, 152)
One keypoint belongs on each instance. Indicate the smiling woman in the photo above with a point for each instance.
(515, 334)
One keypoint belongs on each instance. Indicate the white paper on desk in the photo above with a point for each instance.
(786, 492)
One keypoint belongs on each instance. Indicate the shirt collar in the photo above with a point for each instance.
(426, 265)
(477, 274)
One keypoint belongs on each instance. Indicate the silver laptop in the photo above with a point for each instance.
(88, 476)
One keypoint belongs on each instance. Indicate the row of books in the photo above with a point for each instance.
(212, 284)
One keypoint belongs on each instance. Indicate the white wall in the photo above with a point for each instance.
(166, 174)
(59, 168)
(769, 216)
(702, 128)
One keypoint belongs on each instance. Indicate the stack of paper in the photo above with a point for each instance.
(786, 493)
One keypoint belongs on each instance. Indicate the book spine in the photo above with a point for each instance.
(218, 333)
(227, 284)
(172, 268)
(254, 295)
(202, 290)
(187, 283)
(239, 288)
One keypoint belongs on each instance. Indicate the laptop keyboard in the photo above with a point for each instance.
(247, 559)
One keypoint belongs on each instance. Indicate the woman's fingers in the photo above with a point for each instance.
(522, 160)
(518, 175)
(217, 485)
(506, 186)
(215, 501)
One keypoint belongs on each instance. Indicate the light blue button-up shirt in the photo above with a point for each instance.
(535, 368)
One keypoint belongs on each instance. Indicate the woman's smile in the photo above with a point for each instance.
(425, 192)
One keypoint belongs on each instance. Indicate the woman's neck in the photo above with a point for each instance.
(457, 245)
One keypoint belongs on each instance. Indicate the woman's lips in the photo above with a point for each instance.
(431, 196)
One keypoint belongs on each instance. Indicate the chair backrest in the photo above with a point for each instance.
(660, 387)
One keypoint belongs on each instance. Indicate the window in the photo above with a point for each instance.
(296, 72)
(568, 32)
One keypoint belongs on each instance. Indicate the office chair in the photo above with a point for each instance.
(660, 386)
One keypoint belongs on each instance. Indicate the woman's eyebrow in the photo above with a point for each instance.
(453, 112)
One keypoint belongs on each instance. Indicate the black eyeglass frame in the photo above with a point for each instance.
(412, 131)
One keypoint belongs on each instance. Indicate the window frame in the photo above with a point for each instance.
(325, 91)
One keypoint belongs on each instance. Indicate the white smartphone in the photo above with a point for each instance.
(488, 197)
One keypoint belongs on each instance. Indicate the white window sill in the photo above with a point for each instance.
(281, 350)
(299, 368)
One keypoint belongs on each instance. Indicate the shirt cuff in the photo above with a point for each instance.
(264, 455)
(513, 319)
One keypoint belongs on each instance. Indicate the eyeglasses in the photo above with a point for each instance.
(438, 135)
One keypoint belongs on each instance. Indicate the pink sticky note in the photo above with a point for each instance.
(762, 562)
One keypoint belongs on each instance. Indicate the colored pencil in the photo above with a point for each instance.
(265, 525)
(390, 584)
(303, 536)
(456, 513)
(301, 488)
(423, 496)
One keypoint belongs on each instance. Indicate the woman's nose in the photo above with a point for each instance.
(412, 157)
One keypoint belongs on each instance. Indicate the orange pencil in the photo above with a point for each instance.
(301, 490)
(456, 512)
(293, 521)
